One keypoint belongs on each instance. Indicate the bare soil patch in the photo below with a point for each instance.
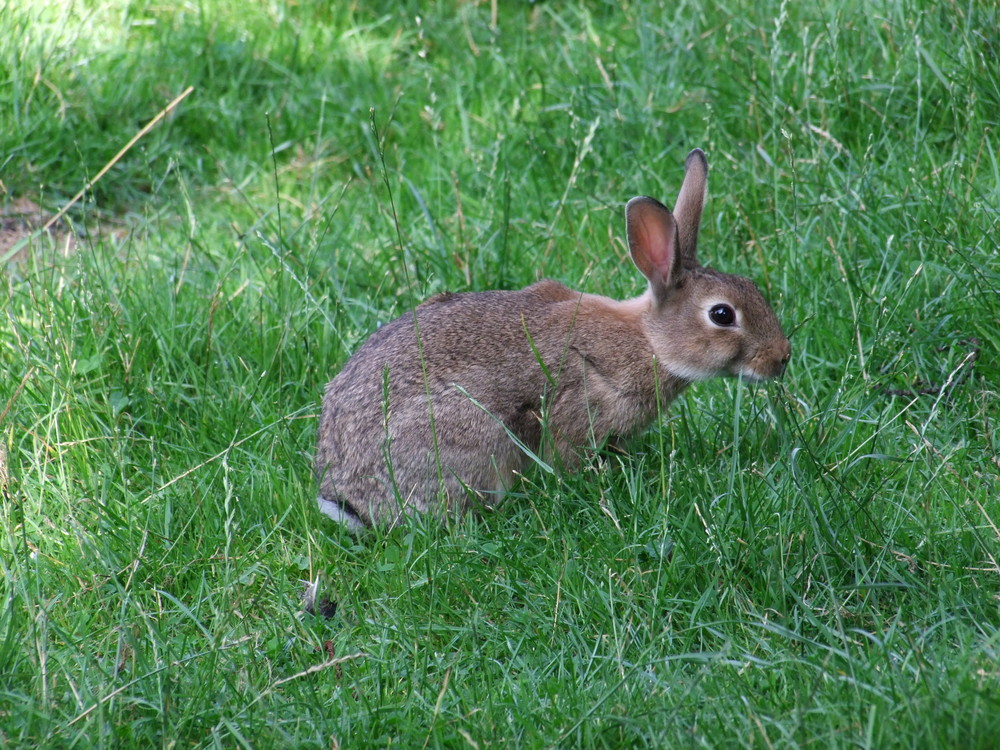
(22, 218)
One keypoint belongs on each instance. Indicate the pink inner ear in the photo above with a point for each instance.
(653, 241)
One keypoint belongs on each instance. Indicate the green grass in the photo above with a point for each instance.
(813, 563)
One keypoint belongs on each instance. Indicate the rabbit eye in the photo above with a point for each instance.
(722, 315)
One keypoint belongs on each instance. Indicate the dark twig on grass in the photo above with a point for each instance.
(924, 389)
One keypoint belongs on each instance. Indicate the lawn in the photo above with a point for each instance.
(811, 562)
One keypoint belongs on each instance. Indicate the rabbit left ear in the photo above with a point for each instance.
(690, 202)
(653, 243)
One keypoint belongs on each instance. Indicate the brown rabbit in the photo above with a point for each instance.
(438, 410)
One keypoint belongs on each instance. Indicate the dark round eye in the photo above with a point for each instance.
(722, 315)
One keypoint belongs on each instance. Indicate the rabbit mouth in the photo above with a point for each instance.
(751, 374)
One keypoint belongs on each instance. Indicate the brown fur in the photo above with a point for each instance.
(418, 419)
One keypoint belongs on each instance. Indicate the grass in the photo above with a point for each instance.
(813, 563)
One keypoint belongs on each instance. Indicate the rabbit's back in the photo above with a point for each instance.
(427, 402)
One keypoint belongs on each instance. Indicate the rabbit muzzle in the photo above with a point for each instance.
(769, 362)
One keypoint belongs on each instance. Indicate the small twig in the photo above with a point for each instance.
(934, 390)
(155, 671)
(149, 126)
(311, 670)
(220, 454)
(278, 683)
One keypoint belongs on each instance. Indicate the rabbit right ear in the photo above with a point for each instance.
(653, 243)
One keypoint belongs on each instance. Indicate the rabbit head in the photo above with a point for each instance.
(702, 322)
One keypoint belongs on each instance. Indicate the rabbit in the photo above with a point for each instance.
(437, 411)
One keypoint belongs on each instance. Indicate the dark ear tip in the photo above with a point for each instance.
(696, 154)
(644, 200)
